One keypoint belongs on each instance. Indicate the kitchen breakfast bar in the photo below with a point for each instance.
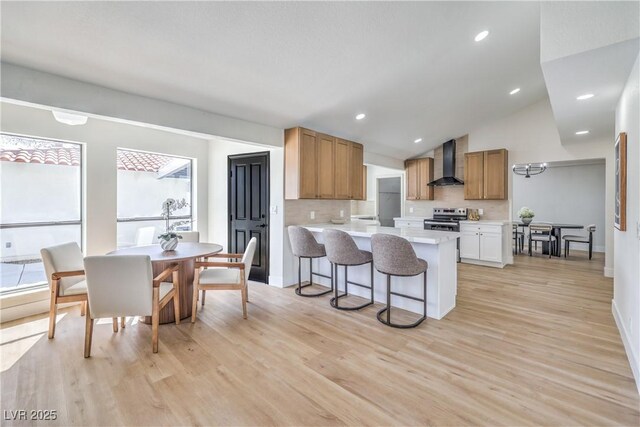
(438, 248)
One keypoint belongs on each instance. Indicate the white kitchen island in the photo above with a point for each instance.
(438, 248)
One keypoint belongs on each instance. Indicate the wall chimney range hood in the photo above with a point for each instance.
(448, 166)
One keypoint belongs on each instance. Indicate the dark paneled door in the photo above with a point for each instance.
(249, 209)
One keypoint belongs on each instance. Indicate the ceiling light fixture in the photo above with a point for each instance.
(529, 169)
(482, 35)
(513, 92)
(418, 140)
(69, 119)
(361, 116)
(585, 96)
(582, 132)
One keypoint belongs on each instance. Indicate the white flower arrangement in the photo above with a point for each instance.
(525, 212)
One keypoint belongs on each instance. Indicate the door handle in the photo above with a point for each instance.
(262, 225)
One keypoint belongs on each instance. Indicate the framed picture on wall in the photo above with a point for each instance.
(620, 213)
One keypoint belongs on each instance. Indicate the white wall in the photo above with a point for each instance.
(26, 85)
(219, 150)
(531, 136)
(101, 138)
(626, 282)
(569, 194)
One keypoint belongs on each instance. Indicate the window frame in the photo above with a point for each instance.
(160, 217)
(80, 222)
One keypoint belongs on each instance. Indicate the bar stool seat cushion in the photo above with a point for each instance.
(342, 249)
(303, 244)
(395, 256)
(216, 276)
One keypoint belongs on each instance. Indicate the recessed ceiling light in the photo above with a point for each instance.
(418, 140)
(585, 96)
(361, 116)
(69, 119)
(513, 92)
(582, 132)
(482, 35)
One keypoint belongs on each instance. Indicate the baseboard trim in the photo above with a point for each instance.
(626, 340)
(608, 272)
(482, 263)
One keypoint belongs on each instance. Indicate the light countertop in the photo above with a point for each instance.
(410, 218)
(414, 235)
(487, 222)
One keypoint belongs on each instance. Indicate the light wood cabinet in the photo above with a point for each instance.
(320, 166)
(495, 174)
(341, 162)
(325, 156)
(485, 175)
(474, 176)
(356, 159)
(419, 173)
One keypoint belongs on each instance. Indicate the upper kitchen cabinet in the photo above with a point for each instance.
(320, 166)
(485, 175)
(419, 173)
(356, 172)
(325, 163)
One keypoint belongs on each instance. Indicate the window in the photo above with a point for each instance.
(145, 181)
(40, 205)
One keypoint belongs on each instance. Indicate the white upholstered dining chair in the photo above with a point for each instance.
(541, 232)
(65, 274)
(227, 276)
(123, 285)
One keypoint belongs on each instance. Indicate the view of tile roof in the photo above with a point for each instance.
(70, 156)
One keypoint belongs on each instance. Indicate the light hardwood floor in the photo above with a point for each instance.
(533, 344)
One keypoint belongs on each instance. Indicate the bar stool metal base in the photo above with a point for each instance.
(387, 320)
(298, 290)
(336, 299)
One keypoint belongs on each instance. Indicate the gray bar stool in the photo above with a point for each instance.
(304, 245)
(394, 256)
(343, 251)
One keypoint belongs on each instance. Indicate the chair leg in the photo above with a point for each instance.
(590, 250)
(372, 282)
(176, 297)
(243, 294)
(53, 309)
(155, 318)
(529, 247)
(115, 324)
(88, 333)
(194, 306)
(123, 321)
(551, 248)
(425, 294)
(388, 298)
(566, 248)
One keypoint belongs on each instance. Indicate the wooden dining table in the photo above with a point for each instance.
(556, 230)
(185, 256)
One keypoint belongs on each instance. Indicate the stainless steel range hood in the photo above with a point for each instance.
(448, 166)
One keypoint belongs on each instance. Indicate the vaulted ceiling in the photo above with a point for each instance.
(413, 68)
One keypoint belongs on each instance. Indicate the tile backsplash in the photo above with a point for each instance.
(298, 211)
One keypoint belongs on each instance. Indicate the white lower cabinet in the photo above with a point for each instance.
(483, 244)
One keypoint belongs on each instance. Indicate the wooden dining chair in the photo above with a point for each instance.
(65, 273)
(227, 276)
(123, 285)
(540, 232)
(580, 239)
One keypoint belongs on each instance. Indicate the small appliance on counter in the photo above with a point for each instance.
(473, 215)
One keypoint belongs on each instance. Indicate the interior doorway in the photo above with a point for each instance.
(389, 200)
(248, 207)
